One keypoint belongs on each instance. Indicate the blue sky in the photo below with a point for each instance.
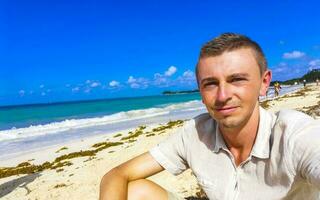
(74, 50)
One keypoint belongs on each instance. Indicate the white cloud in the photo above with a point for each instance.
(76, 89)
(43, 94)
(160, 80)
(281, 42)
(293, 55)
(41, 86)
(131, 79)
(87, 90)
(22, 93)
(88, 81)
(136, 83)
(314, 63)
(187, 78)
(171, 70)
(114, 83)
(188, 73)
(281, 67)
(94, 84)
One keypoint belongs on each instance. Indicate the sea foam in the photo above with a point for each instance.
(69, 124)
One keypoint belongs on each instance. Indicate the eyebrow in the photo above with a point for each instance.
(239, 75)
(236, 75)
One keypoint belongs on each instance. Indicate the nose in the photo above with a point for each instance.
(223, 93)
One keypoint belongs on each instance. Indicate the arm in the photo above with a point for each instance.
(114, 184)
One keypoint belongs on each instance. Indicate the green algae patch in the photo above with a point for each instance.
(130, 141)
(62, 148)
(24, 164)
(312, 111)
(57, 165)
(169, 125)
(151, 134)
(75, 155)
(118, 135)
(265, 104)
(60, 185)
(104, 145)
(136, 133)
(59, 170)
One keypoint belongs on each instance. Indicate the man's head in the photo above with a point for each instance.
(229, 42)
(231, 74)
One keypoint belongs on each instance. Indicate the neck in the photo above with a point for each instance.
(240, 140)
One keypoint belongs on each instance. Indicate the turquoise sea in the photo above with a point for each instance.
(27, 127)
(27, 115)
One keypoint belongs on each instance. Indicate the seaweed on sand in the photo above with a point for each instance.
(313, 111)
(135, 134)
(118, 135)
(265, 104)
(27, 168)
(169, 125)
(62, 148)
(60, 185)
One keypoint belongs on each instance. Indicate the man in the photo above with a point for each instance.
(237, 150)
(277, 88)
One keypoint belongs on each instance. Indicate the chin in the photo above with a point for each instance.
(230, 123)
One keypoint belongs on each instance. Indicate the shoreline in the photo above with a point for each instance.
(81, 178)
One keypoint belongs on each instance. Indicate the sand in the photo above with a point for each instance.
(81, 179)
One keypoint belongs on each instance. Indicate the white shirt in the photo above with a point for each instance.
(284, 162)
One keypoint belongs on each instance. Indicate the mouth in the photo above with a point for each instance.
(226, 110)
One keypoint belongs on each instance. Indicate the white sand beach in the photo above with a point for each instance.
(80, 176)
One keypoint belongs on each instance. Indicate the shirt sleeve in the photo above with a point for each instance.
(171, 153)
(305, 148)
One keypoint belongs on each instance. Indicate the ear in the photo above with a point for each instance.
(266, 78)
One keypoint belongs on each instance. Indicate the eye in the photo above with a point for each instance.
(211, 83)
(238, 79)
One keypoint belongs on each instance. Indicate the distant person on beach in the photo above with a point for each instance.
(277, 88)
(237, 150)
(304, 82)
(317, 81)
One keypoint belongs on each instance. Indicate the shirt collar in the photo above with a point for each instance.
(219, 141)
(261, 148)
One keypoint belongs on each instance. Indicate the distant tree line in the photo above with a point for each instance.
(311, 76)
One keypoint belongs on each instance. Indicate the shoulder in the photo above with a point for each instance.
(201, 127)
(295, 125)
(292, 118)
(204, 122)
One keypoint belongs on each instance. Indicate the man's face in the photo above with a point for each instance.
(230, 85)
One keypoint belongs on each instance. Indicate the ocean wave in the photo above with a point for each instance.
(69, 124)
